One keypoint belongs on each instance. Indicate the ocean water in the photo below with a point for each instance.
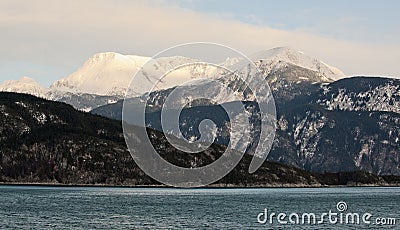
(40, 207)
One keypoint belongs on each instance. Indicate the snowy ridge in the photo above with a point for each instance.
(24, 85)
(103, 74)
(109, 74)
(278, 57)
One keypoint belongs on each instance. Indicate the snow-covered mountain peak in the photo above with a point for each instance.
(113, 58)
(286, 54)
(23, 85)
(283, 53)
(111, 73)
(103, 74)
(278, 57)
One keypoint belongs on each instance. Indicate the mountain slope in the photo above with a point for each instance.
(320, 140)
(361, 94)
(50, 142)
(311, 135)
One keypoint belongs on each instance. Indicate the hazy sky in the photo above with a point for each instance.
(48, 40)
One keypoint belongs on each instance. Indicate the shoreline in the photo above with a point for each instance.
(212, 186)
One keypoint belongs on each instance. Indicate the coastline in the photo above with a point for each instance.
(212, 186)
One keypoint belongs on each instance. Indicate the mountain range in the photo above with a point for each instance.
(312, 133)
(49, 142)
(105, 77)
(326, 122)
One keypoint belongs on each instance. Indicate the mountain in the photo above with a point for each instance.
(290, 74)
(111, 73)
(43, 141)
(312, 133)
(103, 74)
(24, 85)
(324, 124)
(105, 77)
(278, 58)
(81, 101)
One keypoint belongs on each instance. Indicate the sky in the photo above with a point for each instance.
(48, 40)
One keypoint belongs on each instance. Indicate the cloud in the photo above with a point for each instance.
(63, 34)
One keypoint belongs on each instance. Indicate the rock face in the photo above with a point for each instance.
(351, 124)
(361, 94)
(50, 142)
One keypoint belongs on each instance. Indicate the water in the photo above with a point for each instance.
(162, 208)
